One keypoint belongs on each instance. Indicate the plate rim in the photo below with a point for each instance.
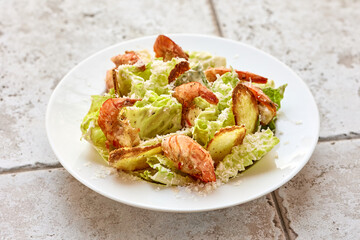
(291, 175)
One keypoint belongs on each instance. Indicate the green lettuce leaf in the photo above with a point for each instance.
(209, 121)
(129, 77)
(253, 148)
(206, 60)
(215, 117)
(275, 94)
(164, 172)
(223, 88)
(135, 83)
(201, 103)
(160, 71)
(154, 115)
(195, 74)
(90, 129)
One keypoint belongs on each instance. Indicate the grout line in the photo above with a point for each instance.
(30, 167)
(339, 137)
(216, 18)
(282, 211)
(281, 217)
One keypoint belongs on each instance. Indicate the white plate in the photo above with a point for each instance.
(298, 130)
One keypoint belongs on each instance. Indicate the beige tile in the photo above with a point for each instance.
(323, 200)
(40, 41)
(53, 205)
(318, 40)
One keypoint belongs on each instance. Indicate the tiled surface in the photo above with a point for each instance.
(318, 40)
(53, 205)
(323, 200)
(40, 41)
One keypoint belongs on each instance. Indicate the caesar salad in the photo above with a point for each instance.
(180, 118)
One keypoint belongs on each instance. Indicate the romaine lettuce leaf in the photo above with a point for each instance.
(129, 77)
(163, 171)
(201, 103)
(195, 74)
(253, 148)
(160, 71)
(275, 94)
(135, 83)
(215, 117)
(209, 121)
(90, 129)
(154, 115)
(223, 88)
(206, 60)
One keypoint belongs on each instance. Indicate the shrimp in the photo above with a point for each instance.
(131, 58)
(267, 107)
(245, 76)
(117, 129)
(189, 115)
(167, 49)
(186, 93)
(189, 157)
(179, 69)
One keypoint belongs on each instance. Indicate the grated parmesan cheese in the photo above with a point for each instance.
(103, 172)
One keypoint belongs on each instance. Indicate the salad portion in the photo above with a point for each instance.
(182, 117)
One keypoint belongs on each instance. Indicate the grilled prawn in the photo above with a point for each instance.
(116, 128)
(167, 49)
(130, 58)
(186, 93)
(189, 157)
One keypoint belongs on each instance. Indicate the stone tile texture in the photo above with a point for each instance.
(40, 41)
(319, 40)
(51, 204)
(323, 200)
